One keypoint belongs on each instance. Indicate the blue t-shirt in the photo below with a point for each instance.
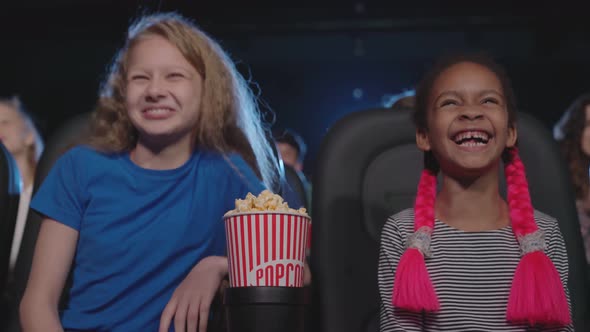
(141, 231)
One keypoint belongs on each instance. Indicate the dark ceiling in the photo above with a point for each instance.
(100, 16)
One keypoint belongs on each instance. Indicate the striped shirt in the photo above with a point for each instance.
(471, 271)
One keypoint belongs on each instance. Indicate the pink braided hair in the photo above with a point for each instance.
(537, 295)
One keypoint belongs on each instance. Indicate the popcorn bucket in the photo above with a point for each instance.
(266, 248)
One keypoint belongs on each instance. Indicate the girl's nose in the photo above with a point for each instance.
(471, 113)
(156, 89)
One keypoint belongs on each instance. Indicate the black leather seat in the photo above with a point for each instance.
(10, 190)
(368, 168)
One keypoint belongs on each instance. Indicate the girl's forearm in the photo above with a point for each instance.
(37, 317)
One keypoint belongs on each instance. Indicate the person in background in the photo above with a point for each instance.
(572, 132)
(21, 138)
(292, 148)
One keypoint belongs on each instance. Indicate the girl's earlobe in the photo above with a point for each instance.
(422, 140)
(512, 137)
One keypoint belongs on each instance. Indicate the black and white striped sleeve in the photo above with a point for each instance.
(392, 247)
(558, 255)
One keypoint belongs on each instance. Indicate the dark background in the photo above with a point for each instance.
(312, 62)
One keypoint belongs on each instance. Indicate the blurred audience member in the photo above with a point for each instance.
(291, 147)
(22, 139)
(572, 131)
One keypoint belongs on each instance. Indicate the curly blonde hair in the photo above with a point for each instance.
(229, 119)
(568, 132)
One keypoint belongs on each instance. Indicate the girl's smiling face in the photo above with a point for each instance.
(467, 120)
(163, 91)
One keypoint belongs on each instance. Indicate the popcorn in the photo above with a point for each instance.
(265, 202)
(255, 226)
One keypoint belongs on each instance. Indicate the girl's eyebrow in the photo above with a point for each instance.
(181, 68)
(449, 93)
(491, 91)
(457, 94)
(169, 68)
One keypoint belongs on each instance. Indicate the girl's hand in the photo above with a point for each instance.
(192, 299)
(306, 273)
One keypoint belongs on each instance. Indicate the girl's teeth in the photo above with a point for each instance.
(472, 134)
(158, 110)
(471, 144)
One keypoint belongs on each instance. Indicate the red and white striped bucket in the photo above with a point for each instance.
(266, 248)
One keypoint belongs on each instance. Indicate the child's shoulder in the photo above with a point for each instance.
(403, 216)
(229, 168)
(86, 154)
(545, 221)
(229, 165)
(401, 223)
(223, 163)
(79, 150)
